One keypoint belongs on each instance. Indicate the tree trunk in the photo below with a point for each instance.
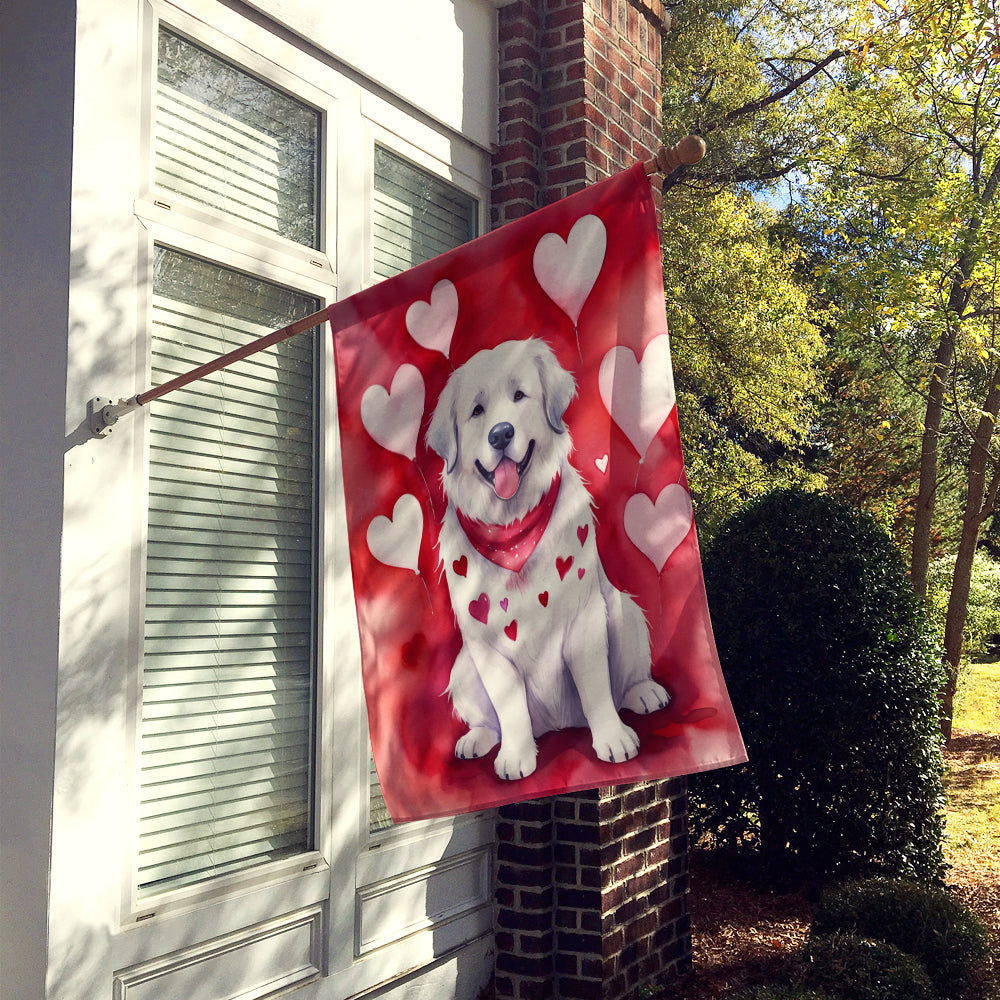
(980, 498)
(920, 553)
(958, 299)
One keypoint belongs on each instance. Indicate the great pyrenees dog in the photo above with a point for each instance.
(547, 642)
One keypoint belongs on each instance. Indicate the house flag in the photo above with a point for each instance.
(526, 574)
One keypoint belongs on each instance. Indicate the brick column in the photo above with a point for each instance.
(579, 96)
(591, 889)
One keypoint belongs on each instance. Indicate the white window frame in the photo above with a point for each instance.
(349, 871)
(387, 858)
(177, 223)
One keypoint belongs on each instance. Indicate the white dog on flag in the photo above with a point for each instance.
(547, 642)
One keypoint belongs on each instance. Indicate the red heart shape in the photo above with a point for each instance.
(480, 609)
(581, 532)
(461, 566)
(511, 630)
(563, 565)
(543, 597)
(580, 572)
(414, 651)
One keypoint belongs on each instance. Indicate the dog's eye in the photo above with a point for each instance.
(477, 410)
(518, 396)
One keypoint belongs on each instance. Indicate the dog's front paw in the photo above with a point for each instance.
(646, 697)
(477, 742)
(513, 763)
(615, 744)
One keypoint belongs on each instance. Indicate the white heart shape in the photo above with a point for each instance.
(657, 529)
(396, 541)
(567, 270)
(639, 395)
(431, 324)
(392, 417)
(602, 464)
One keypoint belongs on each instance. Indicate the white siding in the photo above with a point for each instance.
(76, 299)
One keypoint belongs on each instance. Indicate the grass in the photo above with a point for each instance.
(973, 809)
(978, 697)
(973, 783)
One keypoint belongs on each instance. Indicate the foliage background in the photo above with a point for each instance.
(831, 270)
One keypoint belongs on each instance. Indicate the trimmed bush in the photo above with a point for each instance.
(833, 672)
(925, 922)
(856, 968)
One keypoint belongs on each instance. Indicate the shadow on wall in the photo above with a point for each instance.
(95, 703)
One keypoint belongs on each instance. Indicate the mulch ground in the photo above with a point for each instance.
(742, 935)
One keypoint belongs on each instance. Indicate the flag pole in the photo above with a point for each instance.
(103, 413)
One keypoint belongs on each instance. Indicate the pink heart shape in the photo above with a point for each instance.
(392, 417)
(431, 324)
(581, 533)
(639, 395)
(503, 604)
(480, 608)
(567, 269)
(656, 529)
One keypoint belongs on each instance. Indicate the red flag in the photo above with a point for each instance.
(526, 572)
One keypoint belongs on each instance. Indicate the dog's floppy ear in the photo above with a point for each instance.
(442, 433)
(558, 385)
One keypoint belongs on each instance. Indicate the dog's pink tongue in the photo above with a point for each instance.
(506, 479)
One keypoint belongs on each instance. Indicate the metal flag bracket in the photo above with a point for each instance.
(103, 413)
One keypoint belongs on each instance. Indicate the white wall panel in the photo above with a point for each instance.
(254, 964)
(415, 50)
(390, 910)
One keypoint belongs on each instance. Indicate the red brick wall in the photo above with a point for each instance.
(591, 889)
(591, 893)
(579, 96)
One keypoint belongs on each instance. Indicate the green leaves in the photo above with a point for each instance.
(747, 354)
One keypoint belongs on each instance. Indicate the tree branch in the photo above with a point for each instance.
(754, 106)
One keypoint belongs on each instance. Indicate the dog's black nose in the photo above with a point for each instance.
(501, 435)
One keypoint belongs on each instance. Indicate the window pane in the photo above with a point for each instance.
(228, 658)
(228, 140)
(416, 217)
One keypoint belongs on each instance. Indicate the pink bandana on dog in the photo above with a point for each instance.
(578, 652)
(511, 545)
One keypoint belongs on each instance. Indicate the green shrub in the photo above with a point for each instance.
(833, 673)
(926, 922)
(856, 968)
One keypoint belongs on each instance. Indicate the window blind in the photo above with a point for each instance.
(225, 139)
(415, 216)
(228, 686)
